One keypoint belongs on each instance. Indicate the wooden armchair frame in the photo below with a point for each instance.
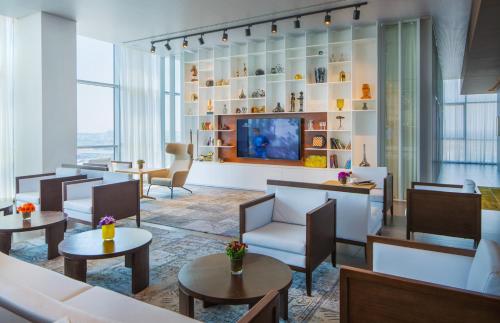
(267, 310)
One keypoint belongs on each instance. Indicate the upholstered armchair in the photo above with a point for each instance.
(45, 190)
(410, 281)
(177, 174)
(88, 200)
(293, 225)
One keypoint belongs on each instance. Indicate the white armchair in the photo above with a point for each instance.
(293, 225)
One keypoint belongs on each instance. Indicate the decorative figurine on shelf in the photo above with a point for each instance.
(279, 68)
(301, 101)
(273, 70)
(238, 110)
(194, 73)
(310, 124)
(210, 107)
(339, 118)
(319, 75)
(278, 108)
(333, 58)
(209, 83)
(364, 107)
(259, 93)
(366, 92)
(320, 52)
(259, 71)
(242, 95)
(342, 76)
(298, 76)
(292, 102)
(364, 162)
(245, 69)
(237, 73)
(194, 97)
(340, 104)
(244, 109)
(219, 142)
(224, 109)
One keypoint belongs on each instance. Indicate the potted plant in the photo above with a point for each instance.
(236, 251)
(140, 163)
(26, 209)
(107, 224)
(342, 177)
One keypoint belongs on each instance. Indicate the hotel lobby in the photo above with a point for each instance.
(249, 161)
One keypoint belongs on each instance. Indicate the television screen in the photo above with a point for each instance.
(273, 138)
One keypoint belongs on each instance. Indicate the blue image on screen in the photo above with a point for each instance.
(269, 138)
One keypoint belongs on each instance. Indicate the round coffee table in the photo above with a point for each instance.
(133, 243)
(209, 279)
(53, 223)
(6, 206)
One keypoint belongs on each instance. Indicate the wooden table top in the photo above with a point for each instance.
(337, 183)
(138, 171)
(39, 220)
(89, 244)
(209, 278)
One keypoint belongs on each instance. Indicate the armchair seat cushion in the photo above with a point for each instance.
(25, 197)
(80, 205)
(377, 195)
(375, 219)
(161, 181)
(484, 274)
(279, 236)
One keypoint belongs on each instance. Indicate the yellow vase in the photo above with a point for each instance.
(108, 231)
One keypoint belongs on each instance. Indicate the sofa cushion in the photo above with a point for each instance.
(108, 304)
(80, 205)
(291, 204)
(377, 195)
(280, 236)
(484, 275)
(45, 281)
(375, 174)
(291, 259)
(67, 171)
(77, 215)
(31, 197)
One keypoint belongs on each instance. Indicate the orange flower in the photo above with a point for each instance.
(26, 208)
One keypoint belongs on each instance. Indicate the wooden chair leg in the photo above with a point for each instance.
(334, 258)
(171, 192)
(308, 282)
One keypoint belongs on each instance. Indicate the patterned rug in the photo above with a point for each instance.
(169, 251)
(209, 210)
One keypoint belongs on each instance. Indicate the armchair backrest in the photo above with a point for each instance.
(183, 156)
(292, 203)
(375, 174)
(67, 171)
(110, 177)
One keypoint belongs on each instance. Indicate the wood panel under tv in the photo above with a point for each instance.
(229, 138)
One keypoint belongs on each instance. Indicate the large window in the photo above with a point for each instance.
(469, 126)
(96, 100)
(173, 116)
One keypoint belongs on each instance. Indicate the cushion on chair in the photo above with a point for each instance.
(280, 236)
(291, 259)
(67, 171)
(469, 186)
(376, 217)
(80, 205)
(291, 204)
(77, 215)
(377, 195)
(484, 275)
(31, 197)
(161, 181)
(109, 304)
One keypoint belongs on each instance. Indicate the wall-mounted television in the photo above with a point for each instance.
(269, 138)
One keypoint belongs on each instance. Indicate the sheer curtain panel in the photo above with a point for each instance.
(140, 114)
(6, 108)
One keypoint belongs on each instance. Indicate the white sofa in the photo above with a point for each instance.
(32, 293)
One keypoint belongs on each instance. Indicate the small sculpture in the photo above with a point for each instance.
(366, 92)
(224, 109)
(237, 73)
(194, 97)
(332, 58)
(301, 101)
(339, 118)
(342, 76)
(278, 108)
(298, 76)
(364, 162)
(242, 95)
(364, 107)
(194, 73)
(319, 74)
(259, 71)
(245, 69)
(210, 107)
(238, 110)
(292, 102)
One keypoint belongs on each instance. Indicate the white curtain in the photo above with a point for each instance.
(6, 108)
(140, 115)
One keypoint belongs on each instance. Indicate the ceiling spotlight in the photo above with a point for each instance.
(167, 45)
(274, 28)
(297, 23)
(356, 14)
(185, 43)
(201, 40)
(328, 18)
(248, 32)
(153, 48)
(224, 36)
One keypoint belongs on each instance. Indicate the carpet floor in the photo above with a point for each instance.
(170, 250)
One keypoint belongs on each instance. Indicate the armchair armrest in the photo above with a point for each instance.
(162, 173)
(320, 233)
(255, 214)
(179, 178)
(51, 193)
(31, 183)
(121, 200)
(413, 184)
(79, 189)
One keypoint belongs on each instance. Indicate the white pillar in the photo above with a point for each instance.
(44, 93)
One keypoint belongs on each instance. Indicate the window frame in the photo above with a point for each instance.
(171, 94)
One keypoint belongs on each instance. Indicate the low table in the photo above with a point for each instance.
(6, 206)
(140, 173)
(133, 243)
(52, 222)
(209, 279)
(369, 186)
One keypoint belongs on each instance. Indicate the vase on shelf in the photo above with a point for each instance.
(340, 104)
(364, 162)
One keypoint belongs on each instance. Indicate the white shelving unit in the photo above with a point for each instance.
(351, 50)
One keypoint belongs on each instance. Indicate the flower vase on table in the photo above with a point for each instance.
(107, 224)
(26, 209)
(236, 251)
(342, 177)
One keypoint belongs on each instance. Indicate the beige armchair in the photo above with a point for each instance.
(177, 174)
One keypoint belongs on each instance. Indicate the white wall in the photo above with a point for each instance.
(44, 93)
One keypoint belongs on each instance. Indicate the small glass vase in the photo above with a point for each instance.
(343, 180)
(108, 232)
(236, 266)
(26, 215)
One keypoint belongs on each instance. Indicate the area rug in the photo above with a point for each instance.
(169, 251)
(490, 198)
(209, 210)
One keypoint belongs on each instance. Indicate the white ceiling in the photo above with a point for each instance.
(130, 21)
